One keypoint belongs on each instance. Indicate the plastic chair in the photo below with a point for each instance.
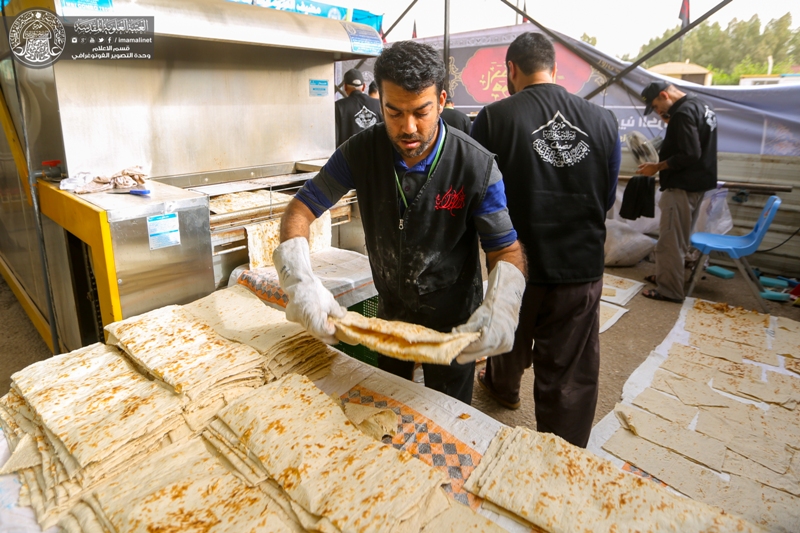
(738, 248)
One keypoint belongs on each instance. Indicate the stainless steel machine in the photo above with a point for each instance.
(236, 97)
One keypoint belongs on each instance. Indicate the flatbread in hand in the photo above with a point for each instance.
(401, 340)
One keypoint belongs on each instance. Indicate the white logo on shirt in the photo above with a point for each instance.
(365, 118)
(711, 118)
(557, 142)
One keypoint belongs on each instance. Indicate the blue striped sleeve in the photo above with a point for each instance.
(492, 219)
(331, 183)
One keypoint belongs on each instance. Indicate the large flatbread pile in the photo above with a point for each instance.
(239, 201)
(555, 486)
(264, 237)
(720, 421)
(183, 488)
(188, 357)
(344, 480)
(401, 340)
(79, 418)
(238, 315)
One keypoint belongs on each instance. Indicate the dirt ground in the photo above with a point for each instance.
(622, 348)
(625, 345)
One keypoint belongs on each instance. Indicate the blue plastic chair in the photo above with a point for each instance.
(738, 248)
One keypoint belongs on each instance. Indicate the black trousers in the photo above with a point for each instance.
(455, 380)
(564, 322)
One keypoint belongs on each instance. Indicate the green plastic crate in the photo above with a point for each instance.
(368, 308)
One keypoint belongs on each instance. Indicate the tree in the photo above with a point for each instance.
(777, 36)
(741, 48)
(588, 39)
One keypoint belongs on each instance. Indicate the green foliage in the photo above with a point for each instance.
(741, 48)
(589, 39)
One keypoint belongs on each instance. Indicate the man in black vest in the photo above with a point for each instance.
(428, 194)
(559, 156)
(687, 168)
(358, 111)
(455, 118)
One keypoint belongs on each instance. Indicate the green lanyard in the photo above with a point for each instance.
(433, 166)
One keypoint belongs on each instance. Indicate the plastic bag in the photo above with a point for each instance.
(714, 215)
(624, 245)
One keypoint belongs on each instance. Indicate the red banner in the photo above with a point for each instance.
(484, 75)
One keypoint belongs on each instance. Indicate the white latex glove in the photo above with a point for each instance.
(498, 315)
(310, 303)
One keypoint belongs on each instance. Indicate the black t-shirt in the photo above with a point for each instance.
(354, 114)
(555, 151)
(456, 119)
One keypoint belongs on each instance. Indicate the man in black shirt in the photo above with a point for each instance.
(559, 156)
(688, 167)
(358, 111)
(454, 117)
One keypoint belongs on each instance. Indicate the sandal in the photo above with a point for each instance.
(651, 279)
(496, 397)
(653, 294)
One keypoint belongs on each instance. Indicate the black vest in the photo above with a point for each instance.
(553, 150)
(428, 272)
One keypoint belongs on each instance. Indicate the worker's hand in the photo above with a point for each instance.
(498, 315)
(310, 303)
(648, 169)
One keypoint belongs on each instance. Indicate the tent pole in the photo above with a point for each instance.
(358, 65)
(447, 46)
(569, 46)
(658, 48)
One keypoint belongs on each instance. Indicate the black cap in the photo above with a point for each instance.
(354, 77)
(651, 92)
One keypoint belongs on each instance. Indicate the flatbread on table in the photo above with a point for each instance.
(401, 340)
(184, 353)
(562, 488)
(184, 488)
(303, 440)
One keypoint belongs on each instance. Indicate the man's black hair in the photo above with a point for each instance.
(373, 87)
(410, 65)
(532, 52)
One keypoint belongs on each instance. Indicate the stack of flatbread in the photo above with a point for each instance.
(79, 418)
(343, 480)
(553, 485)
(401, 340)
(239, 201)
(264, 237)
(189, 358)
(239, 315)
(183, 488)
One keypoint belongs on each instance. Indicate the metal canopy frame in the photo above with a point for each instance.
(611, 77)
